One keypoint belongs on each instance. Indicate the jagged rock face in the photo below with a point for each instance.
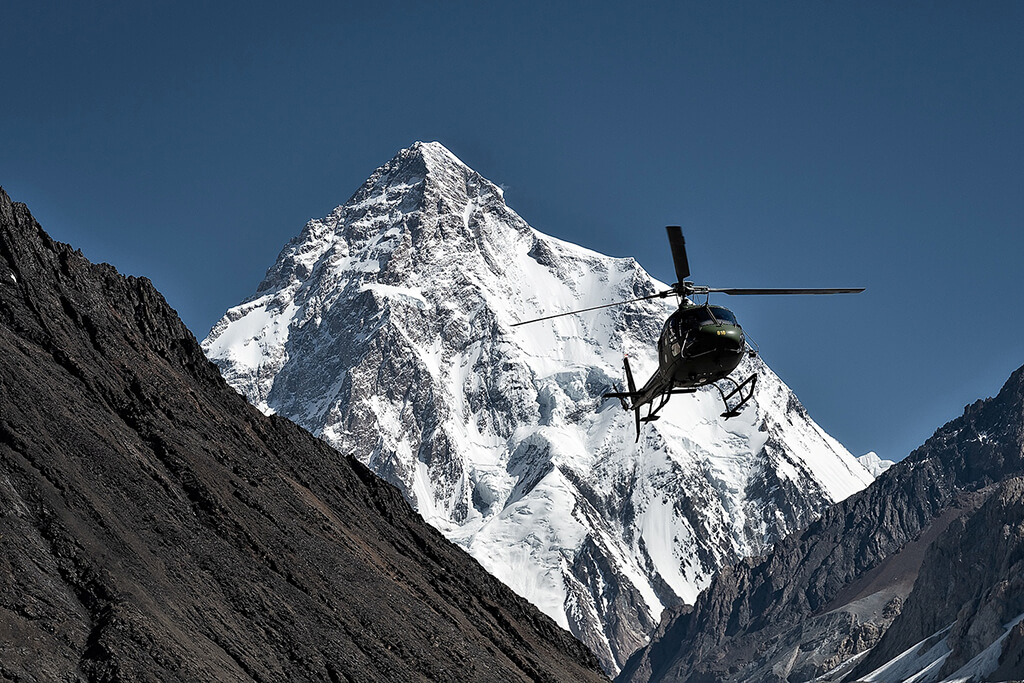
(964, 619)
(155, 526)
(822, 598)
(386, 329)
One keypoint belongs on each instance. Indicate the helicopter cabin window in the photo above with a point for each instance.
(671, 330)
(677, 326)
(705, 317)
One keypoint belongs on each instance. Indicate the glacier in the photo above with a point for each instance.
(384, 328)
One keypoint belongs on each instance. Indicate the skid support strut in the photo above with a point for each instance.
(744, 396)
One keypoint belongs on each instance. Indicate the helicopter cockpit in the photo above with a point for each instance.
(722, 315)
(695, 317)
(698, 330)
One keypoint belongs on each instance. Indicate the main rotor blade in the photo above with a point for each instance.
(661, 295)
(735, 290)
(678, 244)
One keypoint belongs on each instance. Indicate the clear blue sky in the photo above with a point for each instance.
(799, 144)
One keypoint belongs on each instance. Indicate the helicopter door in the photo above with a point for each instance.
(670, 344)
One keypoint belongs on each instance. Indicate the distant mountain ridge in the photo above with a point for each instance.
(916, 578)
(157, 527)
(385, 329)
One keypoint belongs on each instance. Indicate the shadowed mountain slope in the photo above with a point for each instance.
(155, 526)
(824, 597)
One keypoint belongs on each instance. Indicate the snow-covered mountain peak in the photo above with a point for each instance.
(387, 210)
(874, 464)
(427, 169)
(385, 328)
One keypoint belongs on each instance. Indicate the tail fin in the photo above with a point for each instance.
(629, 375)
(631, 395)
(632, 392)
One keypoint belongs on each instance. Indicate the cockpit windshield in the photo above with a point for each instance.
(699, 316)
(723, 315)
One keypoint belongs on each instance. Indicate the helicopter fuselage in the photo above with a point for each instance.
(698, 345)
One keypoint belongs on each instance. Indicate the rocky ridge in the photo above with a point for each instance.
(155, 526)
(963, 619)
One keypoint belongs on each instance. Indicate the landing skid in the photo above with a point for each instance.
(743, 390)
(738, 389)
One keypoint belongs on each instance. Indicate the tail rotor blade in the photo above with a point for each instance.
(678, 244)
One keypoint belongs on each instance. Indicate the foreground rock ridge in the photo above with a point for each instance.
(155, 526)
(918, 577)
(385, 328)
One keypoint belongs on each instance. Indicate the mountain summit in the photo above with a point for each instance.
(385, 329)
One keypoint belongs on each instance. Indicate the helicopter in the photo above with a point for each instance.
(699, 344)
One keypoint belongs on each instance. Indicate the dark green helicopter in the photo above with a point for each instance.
(699, 344)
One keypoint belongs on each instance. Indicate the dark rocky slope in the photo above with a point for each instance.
(155, 526)
(972, 578)
(830, 592)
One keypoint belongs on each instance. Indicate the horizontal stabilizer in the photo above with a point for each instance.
(618, 394)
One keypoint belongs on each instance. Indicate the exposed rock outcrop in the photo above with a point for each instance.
(155, 526)
(969, 596)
